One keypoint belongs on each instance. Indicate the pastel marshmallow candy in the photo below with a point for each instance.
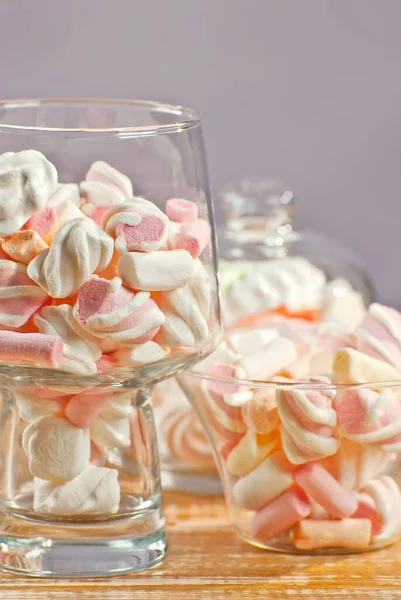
(379, 335)
(181, 210)
(78, 249)
(386, 497)
(308, 421)
(96, 194)
(32, 407)
(280, 514)
(23, 246)
(225, 390)
(270, 359)
(80, 348)
(56, 449)
(352, 366)
(20, 297)
(354, 465)
(66, 202)
(201, 286)
(342, 304)
(184, 323)
(260, 412)
(250, 451)
(370, 417)
(95, 491)
(43, 221)
(136, 226)
(102, 172)
(35, 349)
(320, 485)
(27, 180)
(140, 355)
(263, 484)
(106, 309)
(81, 409)
(193, 237)
(225, 419)
(111, 428)
(352, 534)
(156, 271)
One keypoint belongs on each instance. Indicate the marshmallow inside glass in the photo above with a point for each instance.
(271, 274)
(107, 286)
(306, 433)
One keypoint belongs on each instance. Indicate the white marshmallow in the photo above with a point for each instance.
(78, 249)
(102, 171)
(111, 428)
(262, 485)
(200, 284)
(56, 449)
(32, 407)
(156, 271)
(343, 304)
(27, 179)
(140, 355)
(99, 194)
(183, 303)
(95, 491)
(81, 350)
(247, 341)
(270, 359)
(175, 331)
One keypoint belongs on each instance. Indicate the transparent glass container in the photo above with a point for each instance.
(107, 286)
(270, 273)
(309, 458)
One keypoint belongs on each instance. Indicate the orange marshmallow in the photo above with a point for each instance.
(353, 534)
(23, 246)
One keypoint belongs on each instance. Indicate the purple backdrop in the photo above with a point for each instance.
(308, 90)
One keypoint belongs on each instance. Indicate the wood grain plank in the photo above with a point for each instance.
(207, 561)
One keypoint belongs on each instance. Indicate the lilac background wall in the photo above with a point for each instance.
(307, 90)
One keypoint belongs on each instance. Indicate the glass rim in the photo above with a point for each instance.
(291, 384)
(190, 117)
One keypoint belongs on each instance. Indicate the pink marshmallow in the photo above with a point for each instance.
(150, 233)
(109, 310)
(20, 297)
(105, 362)
(325, 490)
(193, 237)
(83, 408)
(280, 514)
(104, 173)
(367, 510)
(43, 222)
(181, 210)
(34, 348)
(379, 335)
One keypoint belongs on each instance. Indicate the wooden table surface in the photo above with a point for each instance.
(207, 561)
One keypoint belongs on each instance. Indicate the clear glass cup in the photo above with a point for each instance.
(81, 347)
(308, 465)
(270, 273)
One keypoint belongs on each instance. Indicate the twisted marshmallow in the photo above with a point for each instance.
(308, 422)
(108, 310)
(80, 350)
(27, 179)
(20, 297)
(78, 249)
(370, 417)
(379, 335)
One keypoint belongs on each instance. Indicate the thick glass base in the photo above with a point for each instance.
(39, 549)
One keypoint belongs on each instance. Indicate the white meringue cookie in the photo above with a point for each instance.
(56, 449)
(81, 350)
(78, 249)
(95, 491)
(27, 180)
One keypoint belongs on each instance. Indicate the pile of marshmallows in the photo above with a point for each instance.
(91, 278)
(309, 460)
